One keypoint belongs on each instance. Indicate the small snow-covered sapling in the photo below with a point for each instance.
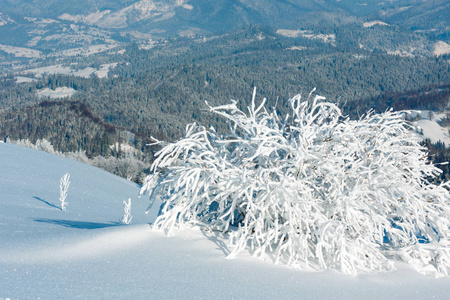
(126, 219)
(64, 183)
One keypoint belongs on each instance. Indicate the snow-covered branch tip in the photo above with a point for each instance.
(156, 142)
(315, 189)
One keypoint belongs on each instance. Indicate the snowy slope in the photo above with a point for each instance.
(140, 10)
(428, 123)
(84, 253)
(433, 131)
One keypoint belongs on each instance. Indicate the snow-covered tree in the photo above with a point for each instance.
(127, 217)
(64, 183)
(314, 189)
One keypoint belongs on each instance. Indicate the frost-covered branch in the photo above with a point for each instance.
(315, 189)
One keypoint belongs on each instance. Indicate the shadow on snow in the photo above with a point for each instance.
(78, 224)
(46, 202)
(217, 239)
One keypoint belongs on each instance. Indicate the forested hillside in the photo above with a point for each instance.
(157, 91)
(75, 129)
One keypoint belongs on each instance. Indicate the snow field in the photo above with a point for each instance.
(83, 253)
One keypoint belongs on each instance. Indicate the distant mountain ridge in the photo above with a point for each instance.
(212, 16)
(208, 16)
(49, 26)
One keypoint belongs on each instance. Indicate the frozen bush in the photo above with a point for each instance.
(314, 190)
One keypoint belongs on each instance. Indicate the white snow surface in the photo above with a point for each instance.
(59, 92)
(102, 72)
(441, 48)
(433, 131)
(84, 252)
(373, 23)
(20, 51)
(428, 123)
(326, 38)
(23, 79)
